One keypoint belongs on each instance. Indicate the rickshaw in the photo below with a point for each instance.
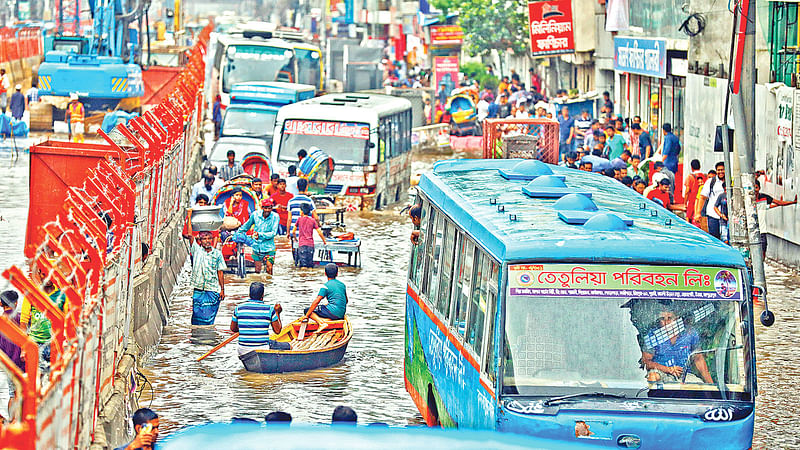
(462, 114)
(235, 248)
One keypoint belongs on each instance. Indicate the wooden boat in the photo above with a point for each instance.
(318, 348)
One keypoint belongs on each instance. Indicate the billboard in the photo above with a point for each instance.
(550, 27)
(446, 35)
(445, 70)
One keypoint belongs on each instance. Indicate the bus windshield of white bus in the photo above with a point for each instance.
(245, 63)
(309, 66)
(642, 331)
(345, 142)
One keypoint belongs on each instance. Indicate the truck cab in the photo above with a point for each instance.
(254, 107)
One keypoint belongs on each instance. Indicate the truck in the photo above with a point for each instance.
(249, 121)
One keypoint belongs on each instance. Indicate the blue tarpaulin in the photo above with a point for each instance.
(9, 125)
(113, 118)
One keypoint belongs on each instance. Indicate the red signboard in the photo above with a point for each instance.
(446, 35)
(550, 26)
(445, 70)
(321, 128)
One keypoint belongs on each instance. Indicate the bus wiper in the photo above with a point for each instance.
(552, 400)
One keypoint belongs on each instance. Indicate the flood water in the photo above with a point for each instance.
(370, 378)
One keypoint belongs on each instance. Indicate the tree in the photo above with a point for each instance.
(491, 24)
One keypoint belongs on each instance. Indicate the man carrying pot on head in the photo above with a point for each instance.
(207, 279)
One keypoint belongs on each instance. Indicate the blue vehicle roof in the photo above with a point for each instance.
(565, 215)
(248, 436)
(274, 94)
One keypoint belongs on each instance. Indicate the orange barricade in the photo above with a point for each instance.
(545, 130)
(91, 206)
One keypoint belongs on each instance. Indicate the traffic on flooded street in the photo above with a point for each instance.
(259, 225)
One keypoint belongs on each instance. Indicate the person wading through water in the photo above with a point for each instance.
(207, 279)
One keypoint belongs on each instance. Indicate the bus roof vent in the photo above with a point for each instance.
(332, 103)
(575, 202)
(358, 96)
(345, 99)
(526, 170)
(549, 186)
(607, 222)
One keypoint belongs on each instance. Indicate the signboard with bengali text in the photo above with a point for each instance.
(625, 281)
(550, 27)
(641, 56)
(322, 128)
(446, 35)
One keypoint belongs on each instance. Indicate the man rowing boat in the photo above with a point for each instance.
(336, 293)
(253, 319)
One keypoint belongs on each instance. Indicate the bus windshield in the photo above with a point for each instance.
(245, 63)
(638, 345)
(309, 66)
(248, 122)
(345, 142)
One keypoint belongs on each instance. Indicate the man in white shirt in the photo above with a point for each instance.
(291, 181)
(204, 186)
(5, 85)
(711, 191)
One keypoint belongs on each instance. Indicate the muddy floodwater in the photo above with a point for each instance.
(370, 378)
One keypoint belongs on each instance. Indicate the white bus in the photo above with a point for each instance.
(256, 56)
(367, 135)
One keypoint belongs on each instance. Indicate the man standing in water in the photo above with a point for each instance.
(265, 227)
(207, 279)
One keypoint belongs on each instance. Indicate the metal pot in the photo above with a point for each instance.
(206, 218)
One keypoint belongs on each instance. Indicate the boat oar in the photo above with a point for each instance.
(223, 344)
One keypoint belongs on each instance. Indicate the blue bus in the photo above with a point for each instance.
(561, 304)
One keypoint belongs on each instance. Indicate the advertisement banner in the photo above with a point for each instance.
(550, 27)
(641, 56)
(446, 35)
(322, 128)
(445, 70)
(625, 281)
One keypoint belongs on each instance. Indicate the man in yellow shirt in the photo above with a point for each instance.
(75, 116)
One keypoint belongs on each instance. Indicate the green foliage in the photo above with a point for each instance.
(477, 71)
(491, 24)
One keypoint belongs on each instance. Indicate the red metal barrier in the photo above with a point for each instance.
(159, 82)
(545, 129)
(67, 243)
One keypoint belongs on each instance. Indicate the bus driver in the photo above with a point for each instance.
(669, 348)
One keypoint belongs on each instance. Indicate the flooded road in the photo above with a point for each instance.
(370, 378)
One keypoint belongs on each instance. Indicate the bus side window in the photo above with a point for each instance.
(429, 273)
(461, 302)
(436, 250)
(443, 302)
(407, 133)
(477, 309)
(418, 252)
(428, 230)
(382, 138)
(490, 359)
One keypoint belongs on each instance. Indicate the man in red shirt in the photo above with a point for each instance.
(281, 199)
(661, 195)
(691, 186)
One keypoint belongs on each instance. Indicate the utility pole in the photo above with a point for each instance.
(743, 96)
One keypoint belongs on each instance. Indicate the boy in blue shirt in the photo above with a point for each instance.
(335, 292)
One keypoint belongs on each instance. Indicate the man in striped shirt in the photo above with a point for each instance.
(231, 169)
(253, 319)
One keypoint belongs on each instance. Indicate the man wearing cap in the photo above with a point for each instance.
(5, 85)
(265, 227)
(207, 279)
(17, 103)
(231, 169)
(75, 117)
